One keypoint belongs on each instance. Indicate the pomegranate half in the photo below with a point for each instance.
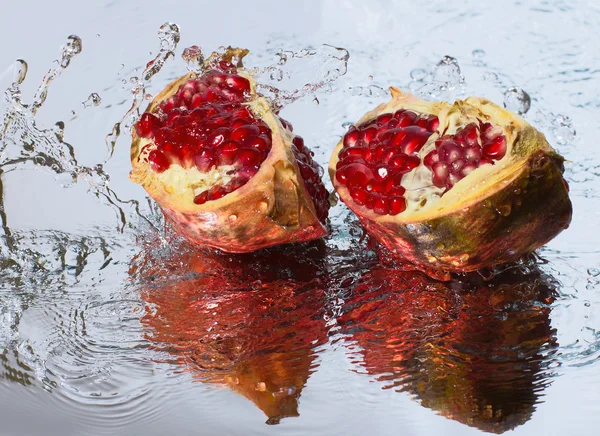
(451, 187)
(225, 169)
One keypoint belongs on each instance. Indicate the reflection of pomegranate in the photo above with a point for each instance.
(451, 187)
(249, 322)
(225, 169)
(468, 349)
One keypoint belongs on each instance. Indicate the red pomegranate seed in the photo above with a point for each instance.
(396, 205)
(368, 134)
(262, 143)
(359, 195)
(383, 119)
(238, 83)
(434, 124)
(449, 151)
(216, 192)
(201, 198)
(397, 191)
(467, 169)
(204, 160)
(248, 131)
(473, 153)
(147, 125)
(248, 157)
(225, 153)
(495, 148)
(380, 205)
(405, 118)
(397, 161)
(158, 161)
(468, 136)
(286, 124)
(410, 163)
(357, 174)
(440, 173)
(416, 137)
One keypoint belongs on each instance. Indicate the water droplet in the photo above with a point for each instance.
(448, 71)
(563, 129)
(93, 100)
(276, 75)
(491, 77)
(347, 124)
(66, 179)
(169, 36)
(20, 72)
(587, 304)
(72, 47)
(315, 101)
(418, 74)
(370, 77)
(478, 53)
(193, 57)
(39, 160)
(517, 100)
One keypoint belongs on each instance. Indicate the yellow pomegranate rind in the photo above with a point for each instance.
(496, 214)
(273, 208)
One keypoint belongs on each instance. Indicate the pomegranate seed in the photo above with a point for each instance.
(248, 157)
(440, 173)
(359, 195)
(357, 174)
(495, 148)
(238, 83)
(383, 119)
(449, 151)
(380, 205)
(397, 161)
(201, 198)
(158, 161)
(457, 165)
(368, 134)
(434, 124)
(431, 158)
(422, 122)
(396, 205)
(261, 143)
(218, 136)
(204, 160)
(473, 153)
(468, 136)
(197, 100)
(405, 118)
(410, 163)
(213, 94)
(416, 137)
(147, 125)
(397, 191)
(216, 77)
(226, 152)
(248, 131)
(216, 192)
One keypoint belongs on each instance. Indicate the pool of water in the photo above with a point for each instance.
(110, 324)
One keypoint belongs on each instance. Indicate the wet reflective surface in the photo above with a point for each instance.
(110, 324)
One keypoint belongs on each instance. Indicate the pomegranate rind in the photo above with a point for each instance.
(273, 208)
(496, 214)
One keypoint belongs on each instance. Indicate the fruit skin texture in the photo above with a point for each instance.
(496, 214)
(273, 207)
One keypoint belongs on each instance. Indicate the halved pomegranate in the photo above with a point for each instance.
(451, 187)
(472, 350)
(225, 169)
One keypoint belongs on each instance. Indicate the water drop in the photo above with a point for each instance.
(347, 124)
(20, 72)
(517, 100)
(93, 100)
(447, 70)
(193, 57)
(563, 129)
(478, 53)
(276, 75)
(169, 36)
(418, 74)
(66, 179)
(39, 160)
(72, 47)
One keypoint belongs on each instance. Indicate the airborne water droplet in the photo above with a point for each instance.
(418, 74)
(517, 100)
(563, 130)
(447, 70)
(93, 100)
(194, 58)
(20, 72)
(478, 53)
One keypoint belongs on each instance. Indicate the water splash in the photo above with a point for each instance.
(93, 100)
(447, 81)
(287, 81)
(169, 36)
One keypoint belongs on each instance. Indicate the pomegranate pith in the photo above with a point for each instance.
(225, 169)
(451, 187)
